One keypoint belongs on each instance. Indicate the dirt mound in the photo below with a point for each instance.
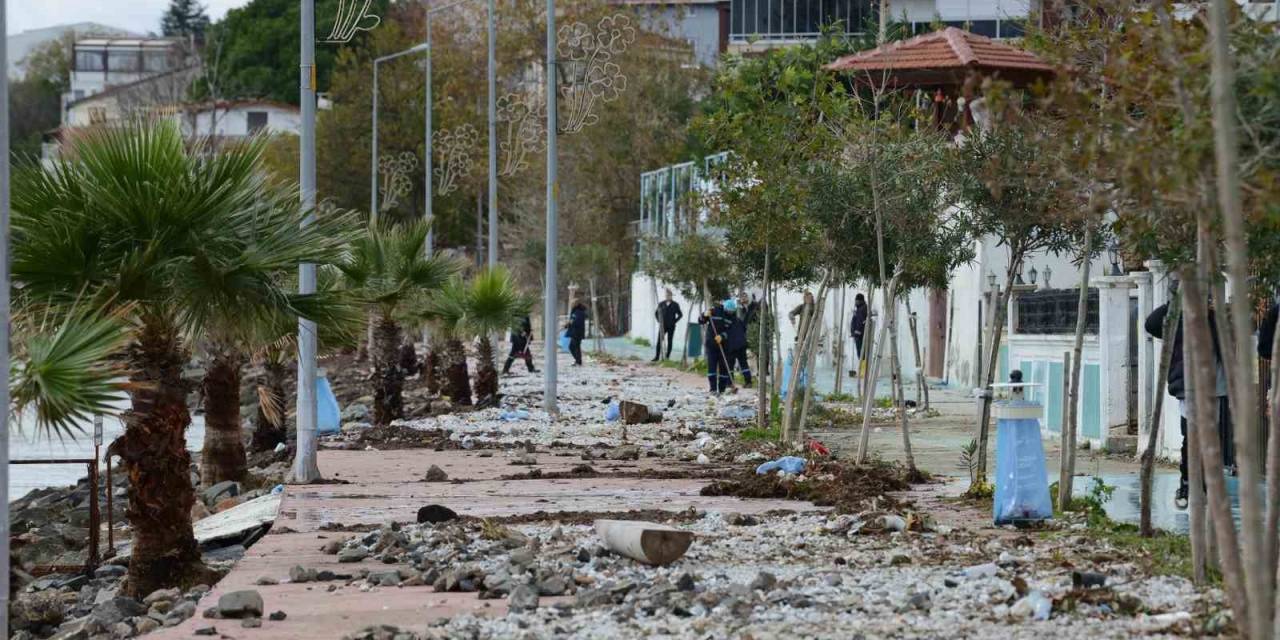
(848, 487)
(393, 437)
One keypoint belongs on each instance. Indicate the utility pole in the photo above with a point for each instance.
(305, 467)
(4, 326)
(493, 136)
(373, 156)
(430, 213)
(549, 315)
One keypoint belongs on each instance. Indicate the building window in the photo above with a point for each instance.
(155, 61)
(795, 19)
(257, 121)
(91, 60)
(124, 61)
(1012, 29)
(983, 28)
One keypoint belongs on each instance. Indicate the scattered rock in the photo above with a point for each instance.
(277, 616)
(434, 513)
(251, 623)
(353, 554)
(523, 598)
(685, 582)
(110, 571)
(436, 474)
(301, 574)
(764, 581)
(553, 586)
(240, 604)
(633, 412)
(206, 631)
(224, 489)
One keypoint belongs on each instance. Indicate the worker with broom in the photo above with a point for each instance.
(718, 322)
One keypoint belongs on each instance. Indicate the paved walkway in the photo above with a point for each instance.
(386, 486)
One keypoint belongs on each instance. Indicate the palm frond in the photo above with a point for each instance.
(64, 375)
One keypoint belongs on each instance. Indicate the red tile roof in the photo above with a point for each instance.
(947, 50)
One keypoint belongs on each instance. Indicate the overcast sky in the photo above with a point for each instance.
(141, 16)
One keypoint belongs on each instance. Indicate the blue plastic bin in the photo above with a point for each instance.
(1022, 486)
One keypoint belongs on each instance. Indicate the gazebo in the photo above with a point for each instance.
(948, 62)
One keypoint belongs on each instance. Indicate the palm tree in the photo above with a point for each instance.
(386, 269)
(233, 339)
(135, 221)
(447, 311)
(494, 305)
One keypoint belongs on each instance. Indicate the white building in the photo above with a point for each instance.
(237, 118)
(102, 64)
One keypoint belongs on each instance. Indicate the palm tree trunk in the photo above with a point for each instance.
(270, 430)
(154, 455)
(432, 365)
(223, 456)
(388, 378)
(457, 379)
(1171, 320)
(486, 373)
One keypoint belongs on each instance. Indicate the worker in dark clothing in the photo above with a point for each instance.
(718, 323)
(1176, 384)
(735, 344)
(668, 315)
(577, 330)
(520, 339)
(1267, 331)
(805, 307)
(858, 325)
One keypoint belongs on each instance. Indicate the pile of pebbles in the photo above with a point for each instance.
(797, 575)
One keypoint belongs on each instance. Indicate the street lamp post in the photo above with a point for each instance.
(549, 315)
(493, 136)
(4, 326)
(373, 168)
(305, 467)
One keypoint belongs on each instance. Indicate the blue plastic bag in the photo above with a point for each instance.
(328, 414)
(514, 416)
(564, 341)
(1022, 490)
(786, 377)
(613, 412)
(789, 464)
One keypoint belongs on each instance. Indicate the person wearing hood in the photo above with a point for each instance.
(735, 345)
(718, 324)
(520, 339)
(577, 330)
(1176, 387)
(858, 325)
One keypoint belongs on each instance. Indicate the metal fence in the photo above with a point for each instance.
(1054, 311)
